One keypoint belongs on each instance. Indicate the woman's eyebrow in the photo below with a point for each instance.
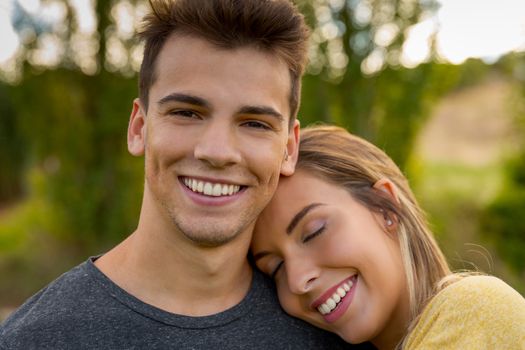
(301, 215)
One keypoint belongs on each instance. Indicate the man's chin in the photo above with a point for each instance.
(209, 236)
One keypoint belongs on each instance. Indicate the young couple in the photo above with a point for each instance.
(332, 218)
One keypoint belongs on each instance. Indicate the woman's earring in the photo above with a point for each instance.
(387, 218)
(285, 155)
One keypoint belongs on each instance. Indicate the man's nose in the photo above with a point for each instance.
(218, 145)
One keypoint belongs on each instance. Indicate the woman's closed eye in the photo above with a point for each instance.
(317, 231)
(276, 269)
(320, 229)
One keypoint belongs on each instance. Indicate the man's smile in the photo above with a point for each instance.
(210, 188)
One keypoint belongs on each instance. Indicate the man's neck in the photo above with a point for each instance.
(178, 276)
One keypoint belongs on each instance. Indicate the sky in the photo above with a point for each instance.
(483, 29)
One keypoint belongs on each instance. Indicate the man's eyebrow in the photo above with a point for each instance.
(184, 98)
(261, 110)
(300, 215)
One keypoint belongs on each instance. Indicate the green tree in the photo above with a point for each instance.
(62, 131)
(356, 77)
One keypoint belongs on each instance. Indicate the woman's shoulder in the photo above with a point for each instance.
(474, 311)
(476, 288)
(476, 297)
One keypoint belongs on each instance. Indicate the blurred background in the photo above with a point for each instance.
(439, 85)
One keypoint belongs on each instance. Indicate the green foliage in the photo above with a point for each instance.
(502, 221)
(12, 155)
(32, 215)
(387, 109)
(74, 130)
(387, 104)
(63, 149)
(472, 72)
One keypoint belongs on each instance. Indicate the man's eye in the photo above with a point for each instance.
(314, 234)
(257, 125)
(274, 272)
(184, 113)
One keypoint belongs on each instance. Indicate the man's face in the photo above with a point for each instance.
(214, 138)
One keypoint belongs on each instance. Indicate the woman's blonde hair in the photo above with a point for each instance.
(334, 155)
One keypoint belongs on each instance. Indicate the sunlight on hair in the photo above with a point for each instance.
(136, 56)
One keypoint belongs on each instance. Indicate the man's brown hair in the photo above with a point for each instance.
(274, 26)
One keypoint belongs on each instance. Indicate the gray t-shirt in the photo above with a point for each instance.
(83, 309)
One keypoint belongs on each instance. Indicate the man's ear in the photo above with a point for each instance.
(292, 150)
(389, 188)
(137, 129)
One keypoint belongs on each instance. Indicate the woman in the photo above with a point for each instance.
(351, 252)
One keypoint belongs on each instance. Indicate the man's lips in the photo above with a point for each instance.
(210, 187)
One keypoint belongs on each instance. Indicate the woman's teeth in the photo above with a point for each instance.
(211, 189)
(330, 303)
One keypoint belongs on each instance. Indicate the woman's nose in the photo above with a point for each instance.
(301, 275)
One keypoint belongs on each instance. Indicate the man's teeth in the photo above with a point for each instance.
(335, 299)
(211, 189)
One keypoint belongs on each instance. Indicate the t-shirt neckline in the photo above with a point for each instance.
(166, 317)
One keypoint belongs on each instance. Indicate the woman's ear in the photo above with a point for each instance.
(389, 219)
(389, 188)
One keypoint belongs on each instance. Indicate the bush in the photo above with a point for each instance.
(503, 220)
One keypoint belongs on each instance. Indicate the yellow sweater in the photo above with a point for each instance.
(477, 312)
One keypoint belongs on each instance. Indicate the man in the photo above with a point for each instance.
(215, 121)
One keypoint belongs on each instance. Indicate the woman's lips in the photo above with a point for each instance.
(335, 301)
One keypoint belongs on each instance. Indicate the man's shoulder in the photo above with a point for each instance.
(53, 308)
(54, 297)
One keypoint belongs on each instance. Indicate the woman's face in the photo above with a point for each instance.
(336, 264)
